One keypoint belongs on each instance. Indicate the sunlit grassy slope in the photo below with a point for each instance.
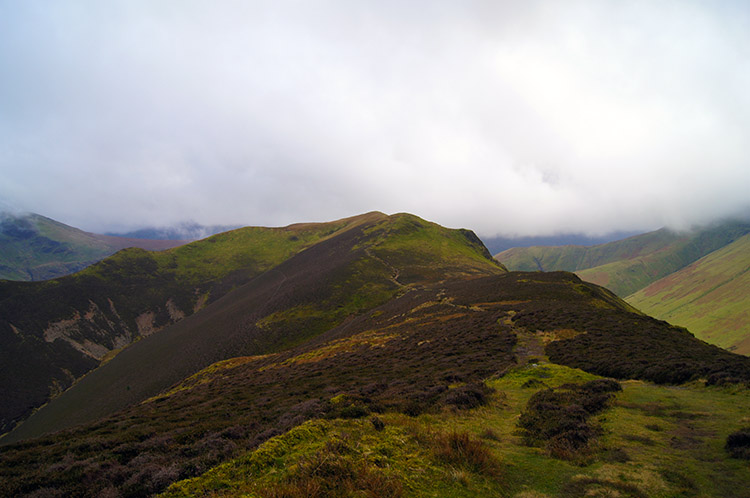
(711, 297)
(655, 442)
(627, 265)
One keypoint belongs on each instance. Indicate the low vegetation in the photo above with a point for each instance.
(738, 444)
(454, 384)
(559, 418)
(652, 442)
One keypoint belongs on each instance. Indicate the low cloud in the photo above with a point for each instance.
(544, 117)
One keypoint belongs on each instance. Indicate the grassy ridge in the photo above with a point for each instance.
(709, 297)
(354, 266)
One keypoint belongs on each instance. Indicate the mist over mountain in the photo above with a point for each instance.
(533, 118)
(500, 244)
(183, 231)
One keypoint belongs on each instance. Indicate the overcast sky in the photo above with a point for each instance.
(507, 117)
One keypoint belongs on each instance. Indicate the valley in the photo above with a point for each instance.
(695, 279)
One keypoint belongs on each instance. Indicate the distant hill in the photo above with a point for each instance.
(33, 247)
(500, 244)
(187, 231)
(695, 279)
(628, 265)
(711, 297)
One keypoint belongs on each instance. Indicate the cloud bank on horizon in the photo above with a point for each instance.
(515, 118)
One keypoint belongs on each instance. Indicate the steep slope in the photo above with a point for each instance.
(52, 332)
(631, 264)
(346, 267)
(33, 247)
(424, 353)
(711, 297)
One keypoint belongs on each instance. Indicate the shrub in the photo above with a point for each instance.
(378, 424)
(738, 444)
(462, 450)
(468, 396)
(332, 473)
(490, 434)
(559, 418)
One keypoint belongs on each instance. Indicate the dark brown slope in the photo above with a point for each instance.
(407, 355)
(326, 283)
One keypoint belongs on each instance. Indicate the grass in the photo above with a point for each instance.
(416, 245)
(481, 452)
(416, 363)
(708, 297)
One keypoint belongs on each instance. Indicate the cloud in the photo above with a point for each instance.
(516, 118)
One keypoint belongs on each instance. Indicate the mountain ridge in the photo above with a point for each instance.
(169, 286)
(387, 355)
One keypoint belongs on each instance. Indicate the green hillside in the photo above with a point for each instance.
(445, 389)
(710, 297)
(292, 283)
(574, 258)
(33, 247)
(628, 265)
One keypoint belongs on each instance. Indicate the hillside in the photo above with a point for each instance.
(710, 297)
(53, 332)
(628, 265)
(33, 247)
(434, 392)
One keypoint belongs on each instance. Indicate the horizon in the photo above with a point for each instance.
(524, 120)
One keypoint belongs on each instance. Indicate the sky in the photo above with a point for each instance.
(506, 117)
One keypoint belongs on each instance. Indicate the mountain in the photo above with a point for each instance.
(55, 331)
(628, 265)
(499, 244)
(695, 279)
(710, 297)
(183, 231)
(393, 357)
(33, 247)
